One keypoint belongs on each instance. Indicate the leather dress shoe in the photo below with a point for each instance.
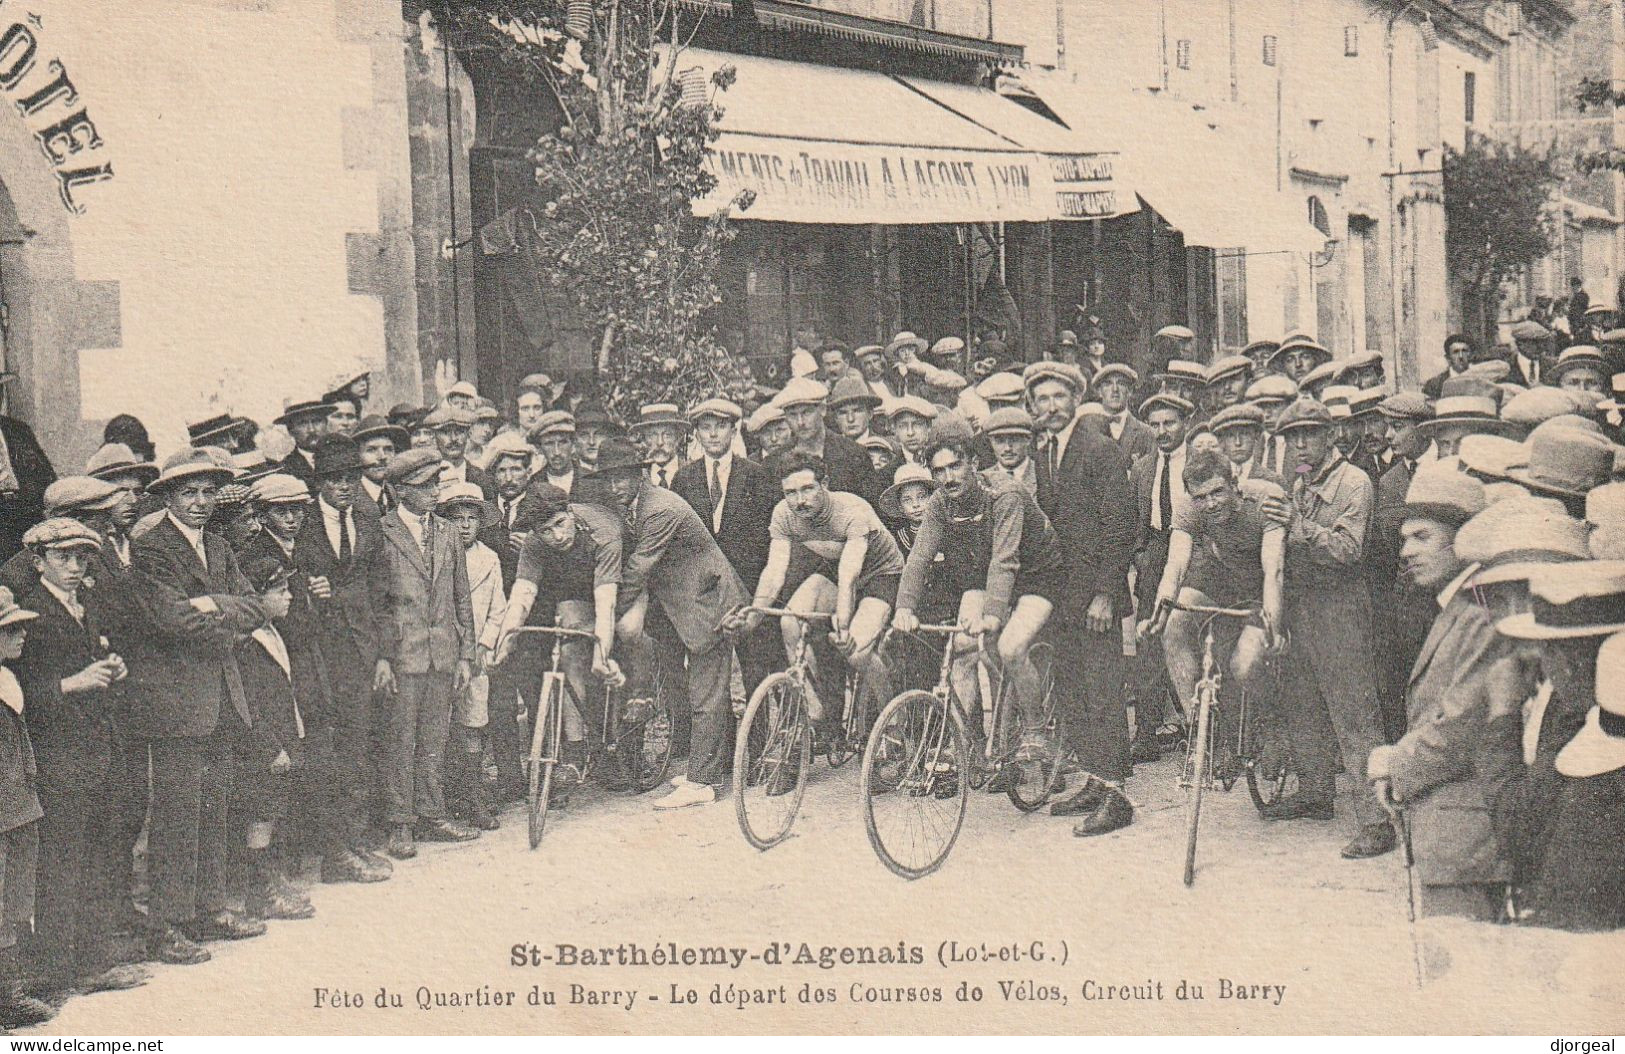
(373, 859)
(1112, 814)
(113, 979)
(224, 925)
(400, 844)
(18, 1009)
(1085, 801)
(353, 867)
(1298, 807)
(170, 945)
(442, 830)
(1374, 839)
(276, 904)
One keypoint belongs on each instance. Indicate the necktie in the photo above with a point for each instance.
(426, 524)
(1165, 493)
(344, 541)
(508, 509)
(661, 472)
(1049, 455)
(716, 486)
(384, 502)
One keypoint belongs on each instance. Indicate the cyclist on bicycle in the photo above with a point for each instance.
(570, 563)
(1222, 552)
(989, 542)
(846, 563)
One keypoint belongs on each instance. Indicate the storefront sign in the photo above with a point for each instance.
(45, 96)
(800, 181)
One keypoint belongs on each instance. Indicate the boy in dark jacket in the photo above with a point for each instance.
(19, 833)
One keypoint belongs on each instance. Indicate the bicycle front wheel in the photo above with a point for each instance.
(548, 731)
(769, 783)
(643, 740)
(915, 783)
(1199, 772)
(1036, 780)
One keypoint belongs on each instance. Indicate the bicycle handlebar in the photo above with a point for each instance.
(1203, 609)
(805, 616)
(555, 631)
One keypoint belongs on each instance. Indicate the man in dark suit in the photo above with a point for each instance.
(66, 673)
(673, 562)
(426, 658)
(846, 465)
(25, 472)
(1399, 611)
(1458, 356)
(182, 680)
(451, 426)
(306, 422)
(1083, 487)
(1114, 386)
(338, 553)
(734, 500)
(378, 441)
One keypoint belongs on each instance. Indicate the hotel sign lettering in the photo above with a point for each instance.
(39, 88)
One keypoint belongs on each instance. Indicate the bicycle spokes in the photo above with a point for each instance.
(915, 779)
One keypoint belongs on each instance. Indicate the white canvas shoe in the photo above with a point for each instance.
(687, 794)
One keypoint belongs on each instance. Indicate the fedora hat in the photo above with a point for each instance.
(199, 433)
(1599, 746)
(1578, 598)
(336, 455)
(618, 455)
(1440, 492)
(375, 425)
(852, 388)
(11, 612)
(299, 411)
(1477, 412)
(1510, 538)
(1566, 462)
(190, 464)
(891, 498)
(117, 459)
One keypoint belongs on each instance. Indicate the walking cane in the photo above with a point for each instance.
(1402, 826)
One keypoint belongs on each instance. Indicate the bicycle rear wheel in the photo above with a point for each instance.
(769, 785)
(915, 784)
(547, 731)
(1198, 773)
(643, 740)
(1035, 782)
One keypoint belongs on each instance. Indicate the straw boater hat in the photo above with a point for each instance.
(1335, 395)
(1579, 598)
(1566, 462)
(1441, 493)
(300, 411)
(1599, 746)
(866, 350)
(1167, 399)
(1366, 401)
(465, 493)
(1174, 333)
(1476, 411)
(1514, 537)
(652, 415)
(891, 499)
(1579, 355)
(1301, 342)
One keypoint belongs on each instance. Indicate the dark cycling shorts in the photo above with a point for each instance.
(1050, 584)
(804, 564)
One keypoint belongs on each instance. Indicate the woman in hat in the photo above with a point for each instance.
(464, 506)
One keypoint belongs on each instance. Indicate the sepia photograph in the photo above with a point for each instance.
(812, 517)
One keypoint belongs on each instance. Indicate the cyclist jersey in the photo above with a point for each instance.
(593, 560)
(994, 539)
(849, 517)
(1226, 558)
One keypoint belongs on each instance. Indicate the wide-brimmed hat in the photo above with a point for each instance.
(1475, 411)
(72, 494)
(413, 467)
(61, 532)
(906, 339)
(1566, 462)
(1493, 456)
(1577, 356)
(298, 411)
(1008, 420)
(1261, 349)
(1301, 342)
(375, 425)
(1441, 492)
(718, 407)
(251, 465)
(802, 391)
(1599, 746)
(117, 459)
(852, 388)
(190, 464)
(1513, 537)
(1241, 415)
(1578, 598)
(618, 454)
(891, 498)
(1050, 370)
(10, 611)
(465, 493)
(279, 488)
(1616, 389)
(653, 415)
(1276, 387)
(336, 455)
(1227, 367)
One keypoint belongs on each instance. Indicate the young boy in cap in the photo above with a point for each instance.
(464, 507)
(19, 830)
(67, 674)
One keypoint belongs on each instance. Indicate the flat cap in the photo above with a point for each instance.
(1184, 406)
(61, 533)
(506, 445)
(1363, 361)
(949, 381)
(1492, 370)
(866, 350)
(950, 426)
(464, 388)
(912, 404)
(1325, 373)
(1117, 369)
(1185, 370)
(1050, 370)
(537, 382)
(80, 494)
(1406, 406)
(1227, 367)
(463, 492)
(948, 346)
(447, 416)
(802, 391)
(1241, 415)
(803, 363)
(560, 421)
(279, 488)
(1175, 333)
(1274, 386)
(1440, 491)
(543, 501)
(412, 467)
(1003, 386)
(1008, 420)
(651, 415)
(1068, 339)
(1304, 412)
(764, 415)
(852, 388)
(716, 407)
(486, 410)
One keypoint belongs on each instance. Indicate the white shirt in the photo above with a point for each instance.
(121, 548)
(1061, 439)
(195, 538)
(565, 482)
(1530, 367)
(457, 473)
(1448, 593)
(508, 508)
(415, 524)
(374, 490)
(268, 638)
(654, 471)
(1116, 423)
(1174, 465)
(67, 600)
(722, 467)
(334, 521)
